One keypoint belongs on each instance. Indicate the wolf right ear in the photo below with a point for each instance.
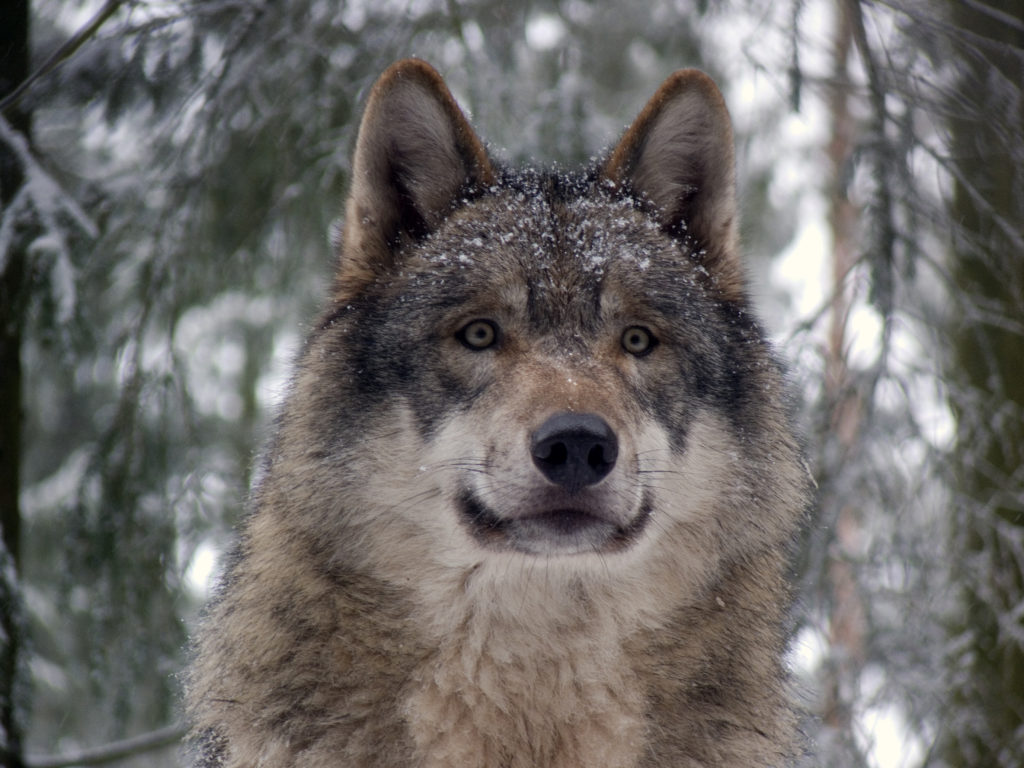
(415, 153)
(678, 156)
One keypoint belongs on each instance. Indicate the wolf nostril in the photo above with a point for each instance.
(574, 450)
(554, 454)
(596, 459)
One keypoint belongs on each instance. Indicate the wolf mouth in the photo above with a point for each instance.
(564, 530)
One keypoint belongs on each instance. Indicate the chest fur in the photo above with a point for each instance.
(506, 696)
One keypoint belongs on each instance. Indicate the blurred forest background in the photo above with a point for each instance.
(171, 170)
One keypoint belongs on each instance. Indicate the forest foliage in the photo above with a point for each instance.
(171, 178)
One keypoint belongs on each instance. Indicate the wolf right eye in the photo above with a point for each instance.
(478, 335)
(638, 341)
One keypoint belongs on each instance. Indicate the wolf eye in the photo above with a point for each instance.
(478, 334)
(638, 341)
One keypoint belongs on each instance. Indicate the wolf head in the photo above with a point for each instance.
(530, 496)
(547, 364)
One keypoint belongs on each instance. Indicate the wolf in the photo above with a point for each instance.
(531, 497)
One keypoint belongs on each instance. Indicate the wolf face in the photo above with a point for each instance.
(532, 492)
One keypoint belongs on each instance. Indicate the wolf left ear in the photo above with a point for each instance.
(415, 154)
(678, 156)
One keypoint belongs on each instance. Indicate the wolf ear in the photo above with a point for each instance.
(414, 155)
(678, 156)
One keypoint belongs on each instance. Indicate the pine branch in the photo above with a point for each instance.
(62, 54)
(116, 750)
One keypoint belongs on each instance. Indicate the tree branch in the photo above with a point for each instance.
(62, 54)
(116, 750)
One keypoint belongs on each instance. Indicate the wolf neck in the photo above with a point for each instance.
(536, 678)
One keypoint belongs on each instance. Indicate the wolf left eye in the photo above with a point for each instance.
(478, 334)
(638, 341)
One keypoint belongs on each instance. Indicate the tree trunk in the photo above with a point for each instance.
(846, 613)
(986, 720)
(14, 62)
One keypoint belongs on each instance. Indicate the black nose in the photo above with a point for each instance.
(574, 450)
